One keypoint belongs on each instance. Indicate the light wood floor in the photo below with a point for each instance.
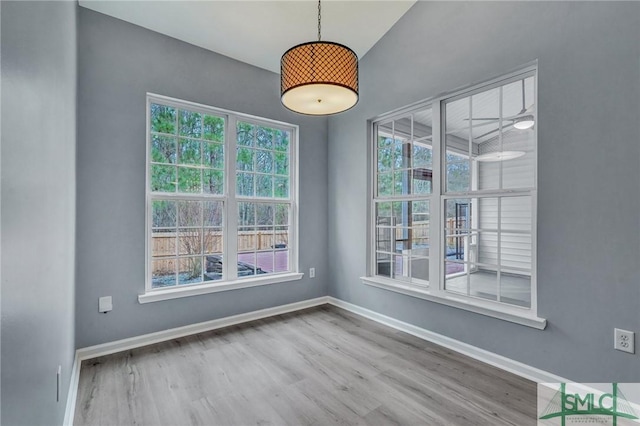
(314, 367)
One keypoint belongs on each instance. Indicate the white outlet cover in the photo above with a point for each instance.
(624, 341)
(105, 304)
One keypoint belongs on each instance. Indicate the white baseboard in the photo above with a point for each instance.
(187, 330)
(515, 367)
(499, 361)
(174, 333)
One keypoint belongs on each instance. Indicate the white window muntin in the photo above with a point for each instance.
(228, 197)
(437, 195)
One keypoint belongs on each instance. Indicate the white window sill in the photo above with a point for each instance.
(194, 290)
(515, 315)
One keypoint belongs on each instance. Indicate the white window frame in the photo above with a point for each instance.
(230, 280)
(436, 292)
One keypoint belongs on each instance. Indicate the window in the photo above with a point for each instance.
(220, 197)
(454, 203)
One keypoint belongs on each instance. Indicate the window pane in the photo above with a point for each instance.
(488, 171)
(401, 155)
(163, 243)
(281, 140)
(190, 241)
(246, 214)
(264, 214)
(484, 249)
(245, 134)
(421, 181)
(189, 180)
(189, 213)
(402, 182)
(213, 268)
(264, 161)
(515, 288)
(483, 282)
(402, 213)
(515, 252)
(190, 124)
(244, 159)
(265, 237)
(163, 273)
(282, 214)
(264, 138)
(244, 184)
(163, 214)
(515, 214)
(487, 213)
(163, 178)
(213, 155)
(189, 150)
(213, 211)
(420, 240)
(281, 237)
(264, 186)
(420, 268)
(401, 267)
(281, 187)
(457, 280)
(213, 181)
(163, 149)
(458, 127)
(385, 184)
(281, 261)
(247, 265)
(281, 163)
(265, 261)
(458, 177)
(384, 239)
(213, 242)
(385, 160)
(213, 128)
(383, 264)
(163, 119)
(190, 270)
(247, 239)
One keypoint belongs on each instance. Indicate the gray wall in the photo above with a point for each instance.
(589, 174)
(38, 207)
(118, 64)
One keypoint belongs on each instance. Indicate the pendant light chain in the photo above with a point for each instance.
(319, 18)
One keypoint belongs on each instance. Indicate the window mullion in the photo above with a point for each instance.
(436, 204)
(230, 264)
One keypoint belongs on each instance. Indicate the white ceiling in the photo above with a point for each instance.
(259, 32)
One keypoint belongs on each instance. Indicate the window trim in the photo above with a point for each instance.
(436, 291)
(230, 199)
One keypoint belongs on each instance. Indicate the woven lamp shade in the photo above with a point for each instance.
(319, 78)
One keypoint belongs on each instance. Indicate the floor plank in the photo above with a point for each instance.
(314, 367)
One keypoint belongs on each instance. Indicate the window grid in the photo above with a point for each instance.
(512, 237)
(402, 161)
(198, 139)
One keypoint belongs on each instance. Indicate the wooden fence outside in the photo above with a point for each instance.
(164, 244)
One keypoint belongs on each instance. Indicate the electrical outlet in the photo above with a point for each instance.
(624, 341)
(105, 304)
(312, 272)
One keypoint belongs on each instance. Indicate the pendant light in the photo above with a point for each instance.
(319, 77)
